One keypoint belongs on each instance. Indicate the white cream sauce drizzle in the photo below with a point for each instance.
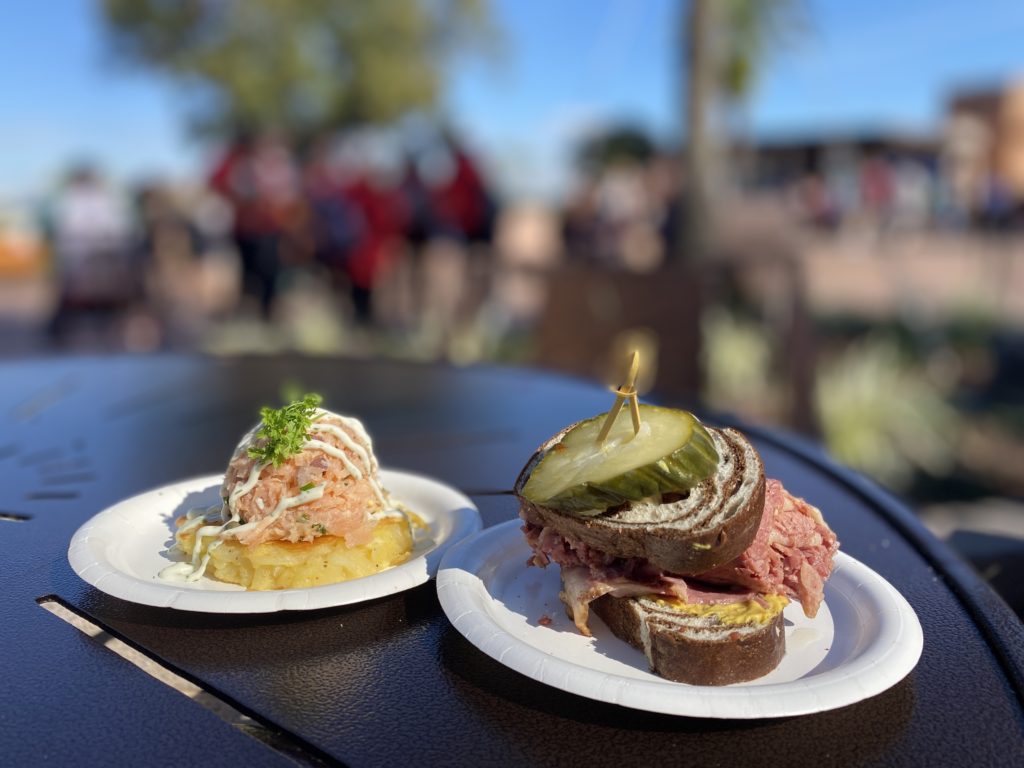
(330, 450)
(206, 520)
(244, 488)
(364, 451)
(287, 502)
(177, 572)
(233, 526)
(347, 441)
(194, 570)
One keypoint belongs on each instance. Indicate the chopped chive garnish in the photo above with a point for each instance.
(308, 487)
(320, 528)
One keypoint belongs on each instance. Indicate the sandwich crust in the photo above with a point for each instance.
(688, 649)
(711, 524)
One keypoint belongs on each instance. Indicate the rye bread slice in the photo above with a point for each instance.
(691, 649)
(712, 524)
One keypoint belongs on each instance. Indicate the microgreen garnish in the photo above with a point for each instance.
(307, 487)
(320, 528)
(283, 430)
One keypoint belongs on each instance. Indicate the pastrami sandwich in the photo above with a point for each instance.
(674, 538)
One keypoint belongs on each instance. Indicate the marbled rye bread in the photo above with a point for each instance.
(690, 649)
(711, 524)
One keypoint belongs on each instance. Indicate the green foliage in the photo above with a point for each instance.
(753, 29)
(302, 66)
(284, 430)
(737, 360)
(622, 144)
(880, 413)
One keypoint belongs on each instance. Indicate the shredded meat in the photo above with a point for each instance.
(550, 546)
(791, 553)
(587, 574)
(582, 585)
(343, 509)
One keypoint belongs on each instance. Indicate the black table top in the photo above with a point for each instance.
(391, 681)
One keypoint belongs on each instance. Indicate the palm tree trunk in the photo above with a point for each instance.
(700, 157)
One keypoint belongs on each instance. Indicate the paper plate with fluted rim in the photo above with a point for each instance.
(122, 550)
(864, 639)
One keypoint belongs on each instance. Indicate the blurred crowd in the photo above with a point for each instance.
(899, 192)
(350, 208)
(630, 212)
(625, 213)
(353, 206)
(396, 226)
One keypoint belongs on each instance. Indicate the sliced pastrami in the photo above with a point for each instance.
(791, 555)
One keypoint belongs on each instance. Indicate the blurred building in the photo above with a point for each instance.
(888, 178)
(984, 145)
(780, 161)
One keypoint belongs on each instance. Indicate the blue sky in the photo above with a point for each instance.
(567, 67)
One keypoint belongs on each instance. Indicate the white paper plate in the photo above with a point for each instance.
(865, 638)
(121, 550)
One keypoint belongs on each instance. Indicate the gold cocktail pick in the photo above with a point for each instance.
(626, 392)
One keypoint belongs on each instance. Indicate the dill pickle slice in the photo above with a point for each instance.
(671, 453)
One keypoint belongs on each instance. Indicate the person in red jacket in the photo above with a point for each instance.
(260, 180)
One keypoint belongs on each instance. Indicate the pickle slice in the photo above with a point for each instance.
(671, 453)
